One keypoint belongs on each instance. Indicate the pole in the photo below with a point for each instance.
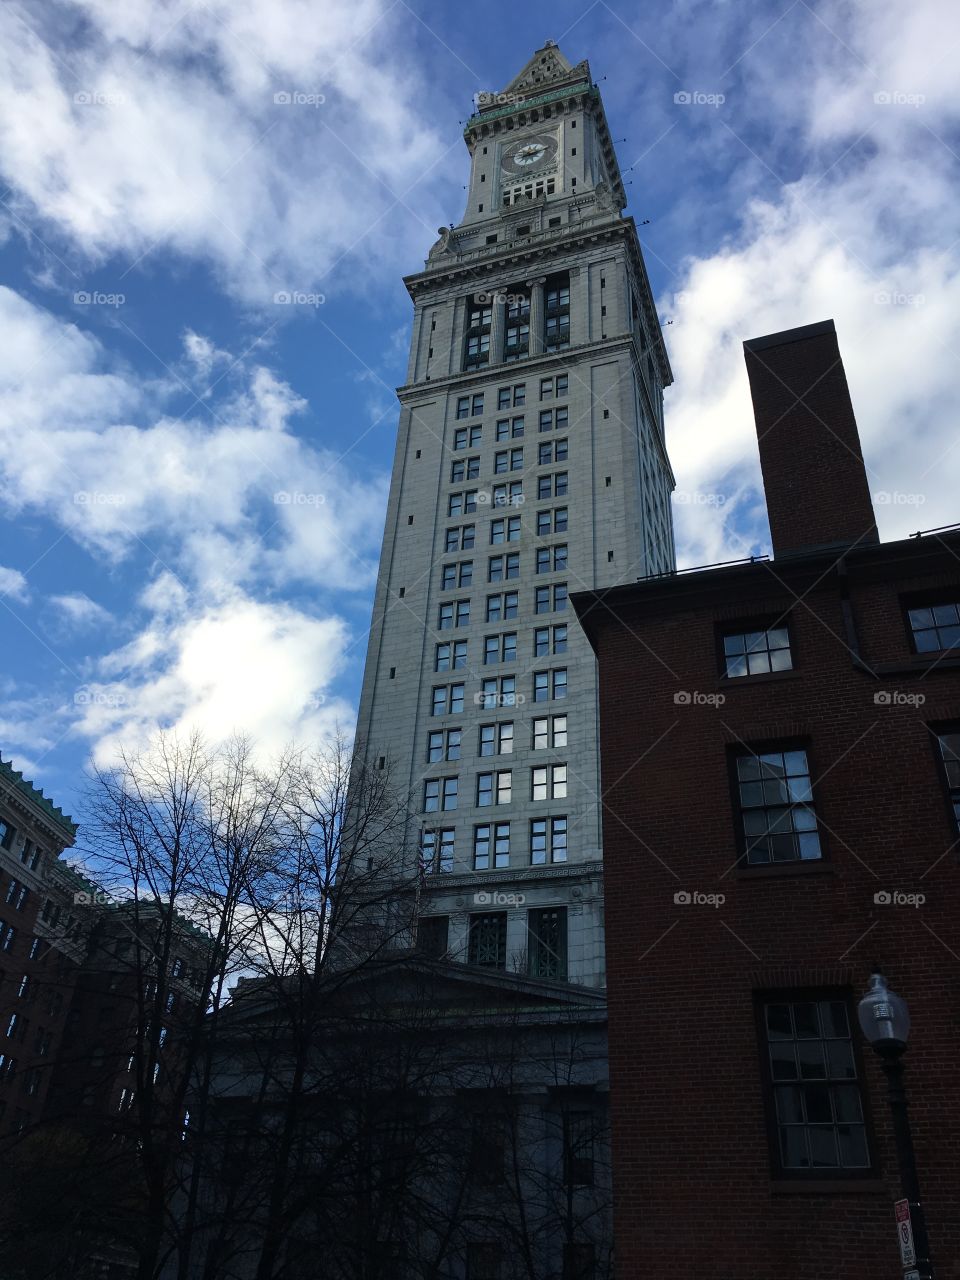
(891, 1056)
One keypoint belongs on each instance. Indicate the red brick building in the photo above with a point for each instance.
(781, 773)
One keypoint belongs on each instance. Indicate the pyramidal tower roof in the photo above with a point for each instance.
(547, 69)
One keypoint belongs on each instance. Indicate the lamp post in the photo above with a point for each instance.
(885, 1021)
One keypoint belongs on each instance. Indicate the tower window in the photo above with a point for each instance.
(491, 239)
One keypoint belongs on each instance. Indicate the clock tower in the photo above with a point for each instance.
(530, 464)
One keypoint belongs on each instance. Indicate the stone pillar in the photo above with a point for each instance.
(580, 308)
(457, 337)
(498, 326)
(537, 316)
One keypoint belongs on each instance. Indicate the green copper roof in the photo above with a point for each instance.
(36, 796)
(525, 104)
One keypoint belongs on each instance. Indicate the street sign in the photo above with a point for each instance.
(908, 1254)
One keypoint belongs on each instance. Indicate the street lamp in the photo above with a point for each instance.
(885, 1021)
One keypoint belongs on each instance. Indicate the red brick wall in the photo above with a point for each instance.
(694, 1194)
(813, 474)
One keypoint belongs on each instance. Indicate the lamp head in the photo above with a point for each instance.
(884, 1018)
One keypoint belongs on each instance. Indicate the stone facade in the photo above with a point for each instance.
(542, 281)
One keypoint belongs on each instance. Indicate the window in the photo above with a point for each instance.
(460, 538)
(491, 845)
(470, 406)
(579, 1128)
(432, 935)
(508, 495)
(506, 529)
(549, 731)
(494, 788)
(579, 1261)
(949, 745)
(815, 1111)
(508, 460)
(547, 640)
(551, 599)
(462, 503)
(464, 469)
(517, 336)
(12, 1025)
(752, 653)
(552, 559)
(547, 942)
(509, 428)
(548, 840)
(551, 521)
(512, 397)
(23, 991)
(549, 684)
(548, 782)
(502, 607)
(468, 437)
(477, 353)
(31, 1081)
(500, 567)
(498, 692)
(776, 807)
(436, 851)
(439, 793)
(453, 613)
(447, 699)
(935, 627)
(487, 940)
(551, 451)
(500, 648)
(496, 739)
(443, 744)
(553, 419)
(459, 574)
(17, 895)
(7, 833)
(552, 486)
(487, 1149)
(557, 306)
(450, 654)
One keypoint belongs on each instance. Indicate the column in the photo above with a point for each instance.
(497, 328)
(537, 317)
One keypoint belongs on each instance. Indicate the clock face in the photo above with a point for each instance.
(528, 155)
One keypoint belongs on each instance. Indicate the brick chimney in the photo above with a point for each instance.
(813, 473)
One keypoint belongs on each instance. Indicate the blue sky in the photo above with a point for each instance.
(194, 475)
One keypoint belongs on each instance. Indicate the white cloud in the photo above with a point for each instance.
(237, 507)
(239, 665)
(200, 489)
(866, 234)
(157, 128)
(80, 612)
(13, 585)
